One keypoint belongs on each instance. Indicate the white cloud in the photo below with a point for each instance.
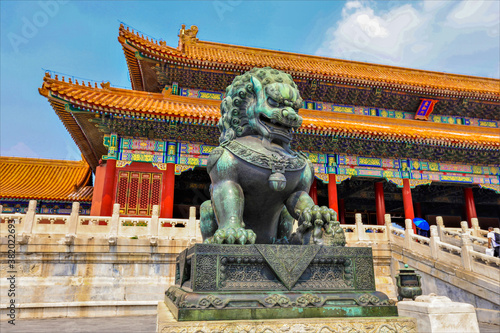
(371, 26)
(476, 15)
(451, 36)
(352, 5)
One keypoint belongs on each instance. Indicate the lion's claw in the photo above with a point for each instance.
(232, 236)
(318, 219)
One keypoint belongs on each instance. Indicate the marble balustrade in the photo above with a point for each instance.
(105, 265)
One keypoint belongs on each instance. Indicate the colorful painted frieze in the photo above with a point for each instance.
(111, 142)
(368, 161)
(456, 177)
(320, 168)
(188, 155)
(141, 156)
(189, 148)
(316, 158)
(138, 144)
(193, 160)
(203, 94)
(349, 109)
(367, 171)
(451, 167)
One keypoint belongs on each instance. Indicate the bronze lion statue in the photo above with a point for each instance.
(259, 184)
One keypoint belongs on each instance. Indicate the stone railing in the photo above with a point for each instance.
(453, 236)
(88, 254)
(464, 247)
(110, 227)
(462, 255)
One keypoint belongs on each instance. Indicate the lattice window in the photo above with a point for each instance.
(145, 194)
(156, 189)
(137, 192)
(133, 193)
(121, 194)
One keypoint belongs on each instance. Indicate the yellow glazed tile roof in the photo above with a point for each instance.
(192, 51)
(156, 105)
(43, 179)
(130, 102)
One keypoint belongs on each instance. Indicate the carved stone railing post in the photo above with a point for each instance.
(193, 227)
(434, 242)
(29, 220)
(408, 233)
(153, 226)
(475, 227)
(466, 251)
(465, 227)
(440, 225)
(388, 225)
(72, 223)
(360, 230)
(115, 221)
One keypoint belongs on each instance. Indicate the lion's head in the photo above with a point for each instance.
(264, 102)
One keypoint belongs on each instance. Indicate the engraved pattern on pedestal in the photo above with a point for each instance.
(364, 273)
(207, 280)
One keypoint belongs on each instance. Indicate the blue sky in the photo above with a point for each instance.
(79, 38)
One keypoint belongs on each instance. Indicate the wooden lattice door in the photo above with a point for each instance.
(137, 192)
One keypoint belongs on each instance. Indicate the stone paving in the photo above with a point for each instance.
(135, 324)
(146, 324)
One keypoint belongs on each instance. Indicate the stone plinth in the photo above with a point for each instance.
(269, 281)
(166, 323)
(439, 314)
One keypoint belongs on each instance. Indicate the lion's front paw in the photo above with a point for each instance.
(318, 218)
(232, 236)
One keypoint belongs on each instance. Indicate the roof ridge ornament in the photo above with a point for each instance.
(106, 85)
(187, 36)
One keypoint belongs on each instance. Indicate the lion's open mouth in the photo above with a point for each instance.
(275, 126)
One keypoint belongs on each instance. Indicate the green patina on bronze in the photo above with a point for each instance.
(259, 187)
(264, 281)
(259, 184)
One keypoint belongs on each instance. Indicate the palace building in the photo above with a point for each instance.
(55, 184)
(382, 139)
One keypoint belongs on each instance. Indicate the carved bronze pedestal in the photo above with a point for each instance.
(264, 281)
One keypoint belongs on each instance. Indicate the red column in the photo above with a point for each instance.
(470, 207)
(408, 203)
(313, 192)
(342, 211)
(100, 173)
(108, 190)
(332, 193)
(167, 197)
(380, 203)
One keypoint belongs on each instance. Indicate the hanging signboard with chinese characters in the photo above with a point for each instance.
(425, 109)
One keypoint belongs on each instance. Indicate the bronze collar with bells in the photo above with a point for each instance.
(274, 162)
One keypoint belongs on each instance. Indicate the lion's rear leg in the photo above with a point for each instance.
(285, 226)
(208, 222)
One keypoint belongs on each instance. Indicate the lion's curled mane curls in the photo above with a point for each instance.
(235, 120)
